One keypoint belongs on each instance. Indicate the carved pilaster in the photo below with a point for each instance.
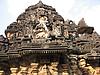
(74, 66)
(65, 69)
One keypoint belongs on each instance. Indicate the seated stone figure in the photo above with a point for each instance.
(85, 68)
(1, 72)
(14, 71)
(41, 30)
(43, 70)
(32, 70)
(23, 71)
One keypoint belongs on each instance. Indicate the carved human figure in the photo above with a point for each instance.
(32, 17)
(97, 72)
(66, 35)
(9, 36)
(13, 71)
(47, 70)
(43, 21)
(53, 68)
(82, 65)
(56, 30)
(86, 66)
(33, 69)
(65, 69)
(43, 70)
(23, 70)
(90, 69)
(20, 34)
(74, 67)
(1, 72)
(41, 30)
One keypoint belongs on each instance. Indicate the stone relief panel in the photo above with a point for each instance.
(41, 30)
(41, 24)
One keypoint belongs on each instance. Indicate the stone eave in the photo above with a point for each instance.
(88, 30)
(44, 50)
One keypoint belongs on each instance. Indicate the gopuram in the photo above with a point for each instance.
(41, 42)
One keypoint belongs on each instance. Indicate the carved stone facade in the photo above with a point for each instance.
(40, 42)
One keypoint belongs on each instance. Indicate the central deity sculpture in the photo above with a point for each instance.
(41, 29)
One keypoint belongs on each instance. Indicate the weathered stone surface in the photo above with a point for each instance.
(40, 42)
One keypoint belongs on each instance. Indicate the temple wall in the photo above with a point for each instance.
(54, 68)
(37, 69)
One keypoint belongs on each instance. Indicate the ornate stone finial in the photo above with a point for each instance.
(82, 23)
(40, 3)
(84, 28)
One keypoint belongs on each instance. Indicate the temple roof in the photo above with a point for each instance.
(40, 5)
(40, 29)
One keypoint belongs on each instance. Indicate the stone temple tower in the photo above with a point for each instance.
(41, 42)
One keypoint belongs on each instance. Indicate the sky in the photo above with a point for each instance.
(69, 9)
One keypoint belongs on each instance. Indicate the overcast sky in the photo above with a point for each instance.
(69, 9)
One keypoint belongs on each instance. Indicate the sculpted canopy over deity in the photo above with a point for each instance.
(41, 29)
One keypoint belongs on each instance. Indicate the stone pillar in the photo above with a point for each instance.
(54, 65)
(65, 69)
(13, 71)
(1, 72)
(33, 69)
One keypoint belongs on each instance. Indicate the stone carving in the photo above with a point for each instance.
(33, 69)
(65, 69)
(41, 36)
(14, 71)
(48, 69)
(54, 68)
(41, 30)
(82, 23)
(1, 72)
(43, 70)
(83, 28)
(23, 71)
(86, 68)
(9, 35)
